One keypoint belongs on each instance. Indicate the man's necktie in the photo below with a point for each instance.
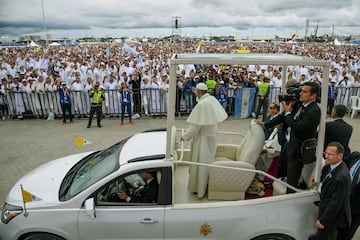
(354, 169)
(327, 176)
(299, 111)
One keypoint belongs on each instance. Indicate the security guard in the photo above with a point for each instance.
(96, 98)
(263, 90)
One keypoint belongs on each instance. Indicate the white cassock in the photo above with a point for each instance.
(113, 97)
(39, 97)
(155, 98)
(78, 91)
(163, 97)
(145, 97)
(18, 97)
(203, 122)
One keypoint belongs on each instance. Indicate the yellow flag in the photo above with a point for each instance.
(27, 197)
(79, 141)
(198, 48)
(242, 51)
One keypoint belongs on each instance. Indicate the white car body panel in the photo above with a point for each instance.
(244, 219)
(123, 223)
(151, 143)
(44, 181)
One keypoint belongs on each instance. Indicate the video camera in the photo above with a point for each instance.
(292, 94)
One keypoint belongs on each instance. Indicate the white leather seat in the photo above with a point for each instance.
(229, 184)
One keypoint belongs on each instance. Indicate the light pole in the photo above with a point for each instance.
(44, 20)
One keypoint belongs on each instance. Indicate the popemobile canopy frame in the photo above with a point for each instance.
(284, 60)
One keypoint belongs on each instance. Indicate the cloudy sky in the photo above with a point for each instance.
(148, 18)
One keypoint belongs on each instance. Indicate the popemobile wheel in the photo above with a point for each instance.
(42, 236)
(273, 236)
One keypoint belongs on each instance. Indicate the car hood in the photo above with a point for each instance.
(43, 183)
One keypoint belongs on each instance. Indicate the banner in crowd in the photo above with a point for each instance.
(244, 102)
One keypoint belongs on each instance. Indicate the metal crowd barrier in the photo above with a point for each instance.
(148, 102)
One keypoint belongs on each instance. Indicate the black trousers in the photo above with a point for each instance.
(293, 164)
(282, 169)
(330, 105)
(98, 110)
(66, 108)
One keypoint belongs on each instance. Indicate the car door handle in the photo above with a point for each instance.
(148, 221)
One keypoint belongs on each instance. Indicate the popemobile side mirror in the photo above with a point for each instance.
(90, 207)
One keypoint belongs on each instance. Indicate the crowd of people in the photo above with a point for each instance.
(31, 77)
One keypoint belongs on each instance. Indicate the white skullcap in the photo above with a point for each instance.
(202, 86)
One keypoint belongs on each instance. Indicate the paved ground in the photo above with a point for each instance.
(26, 144)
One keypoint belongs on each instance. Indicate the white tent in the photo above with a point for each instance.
(54, 44)
(33, 44)
(337, 42)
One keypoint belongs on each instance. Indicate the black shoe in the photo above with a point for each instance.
(99, 126)
(302, 185)
(88, 126)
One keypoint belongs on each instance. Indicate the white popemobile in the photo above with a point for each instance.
(77, 197)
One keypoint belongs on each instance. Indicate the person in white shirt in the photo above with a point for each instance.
(50, 89)
(4, 95)
(164, 87)
(17, 90)
(112, 87)
(275, 85)
(155, 96)
(87, 87)
(78, 96)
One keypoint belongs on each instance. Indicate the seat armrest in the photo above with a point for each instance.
(227, 151)
(230, 163)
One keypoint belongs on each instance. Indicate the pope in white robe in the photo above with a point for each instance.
(202, 129)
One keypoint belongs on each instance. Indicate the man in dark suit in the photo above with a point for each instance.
(354, 167)
(144, 194)
(334, 208)
(338, 130)
(274, 110)
(299, 122)
(302, 122)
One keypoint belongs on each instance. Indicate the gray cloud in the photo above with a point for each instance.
(25, 17)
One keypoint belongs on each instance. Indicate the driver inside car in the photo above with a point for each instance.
(143, 194)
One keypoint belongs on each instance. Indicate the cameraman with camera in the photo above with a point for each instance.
(299, 122)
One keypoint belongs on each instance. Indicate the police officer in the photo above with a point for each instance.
(96, 98)
(263, 89)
